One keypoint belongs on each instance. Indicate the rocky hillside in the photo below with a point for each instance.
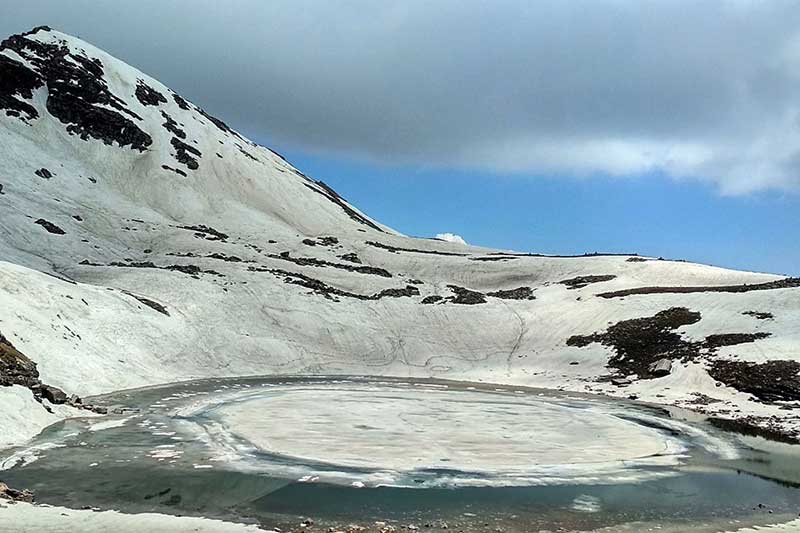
(145, 241)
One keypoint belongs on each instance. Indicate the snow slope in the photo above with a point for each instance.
(143, 241)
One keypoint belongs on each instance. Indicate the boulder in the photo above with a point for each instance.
(7, 493)
(54, 395)
(660, 368)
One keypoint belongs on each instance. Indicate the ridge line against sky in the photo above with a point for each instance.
(695, 105)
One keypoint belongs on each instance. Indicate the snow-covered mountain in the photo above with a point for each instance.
(144, 241)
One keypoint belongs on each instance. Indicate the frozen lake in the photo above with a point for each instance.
(360, 450)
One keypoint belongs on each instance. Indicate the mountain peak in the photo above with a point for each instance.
(71, 100)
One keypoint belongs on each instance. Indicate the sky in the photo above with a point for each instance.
(667, 128)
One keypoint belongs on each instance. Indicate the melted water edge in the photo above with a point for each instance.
(424, 452)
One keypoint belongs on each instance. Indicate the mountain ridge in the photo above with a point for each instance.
(144, 241)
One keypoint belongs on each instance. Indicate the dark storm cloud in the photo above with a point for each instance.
(706, 90)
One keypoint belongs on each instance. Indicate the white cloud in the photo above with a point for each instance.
(451, 237)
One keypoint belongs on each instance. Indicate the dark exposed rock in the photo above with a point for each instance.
(14, 495)
(333, 196)
(147, 95)
(640, 342)
(206, 232)
(773, 381)
(320, 287)
(432, 299)
(327, 241)
(636, 260)
(217, 122)
(520, 293)
(786, 283)
(733, 339)
(309, 242)
(44, 173)
(245, 153)
(587, 254)
(396, 249)
(755, 427)
(416, 282)
(17, 84)
(182, 151)
(77, 94)
(54, 395)
(78, 218)
(465, 296)
(171, 126)
(310, 261)
(175, 170)
(50, 227)
(760, 315)
(16, 368)
(1, 189)
(583, 281)
(149, 303)
(308, 282)
(192, 270)
(351, 257)
(660, 368)
(183, 104)
(408, 290)
(223, 257)
(494, 258)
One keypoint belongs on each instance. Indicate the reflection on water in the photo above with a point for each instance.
(152, 463)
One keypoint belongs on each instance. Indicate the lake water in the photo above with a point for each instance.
(359, 451)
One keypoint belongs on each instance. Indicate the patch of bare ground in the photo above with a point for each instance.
(786, 283)
(520, 293)
(464, 296)
(760, 315)
(753, 426)
(494, 258)
(773, 381)
(310, 261)
(396, 249)
(149, 303)
(50, 227)
(587, 254)
(584, 281)
(330, 292)
(192, 270)
(15, 368)
(322, 188)
(646, 346)
(206, 232)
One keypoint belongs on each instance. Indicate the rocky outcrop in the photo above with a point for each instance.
(583, 281)
(14, 495)
(77, 94)
(50, 227)
(647, 346)
(786, 283)
(15, 368)
(18, 369)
